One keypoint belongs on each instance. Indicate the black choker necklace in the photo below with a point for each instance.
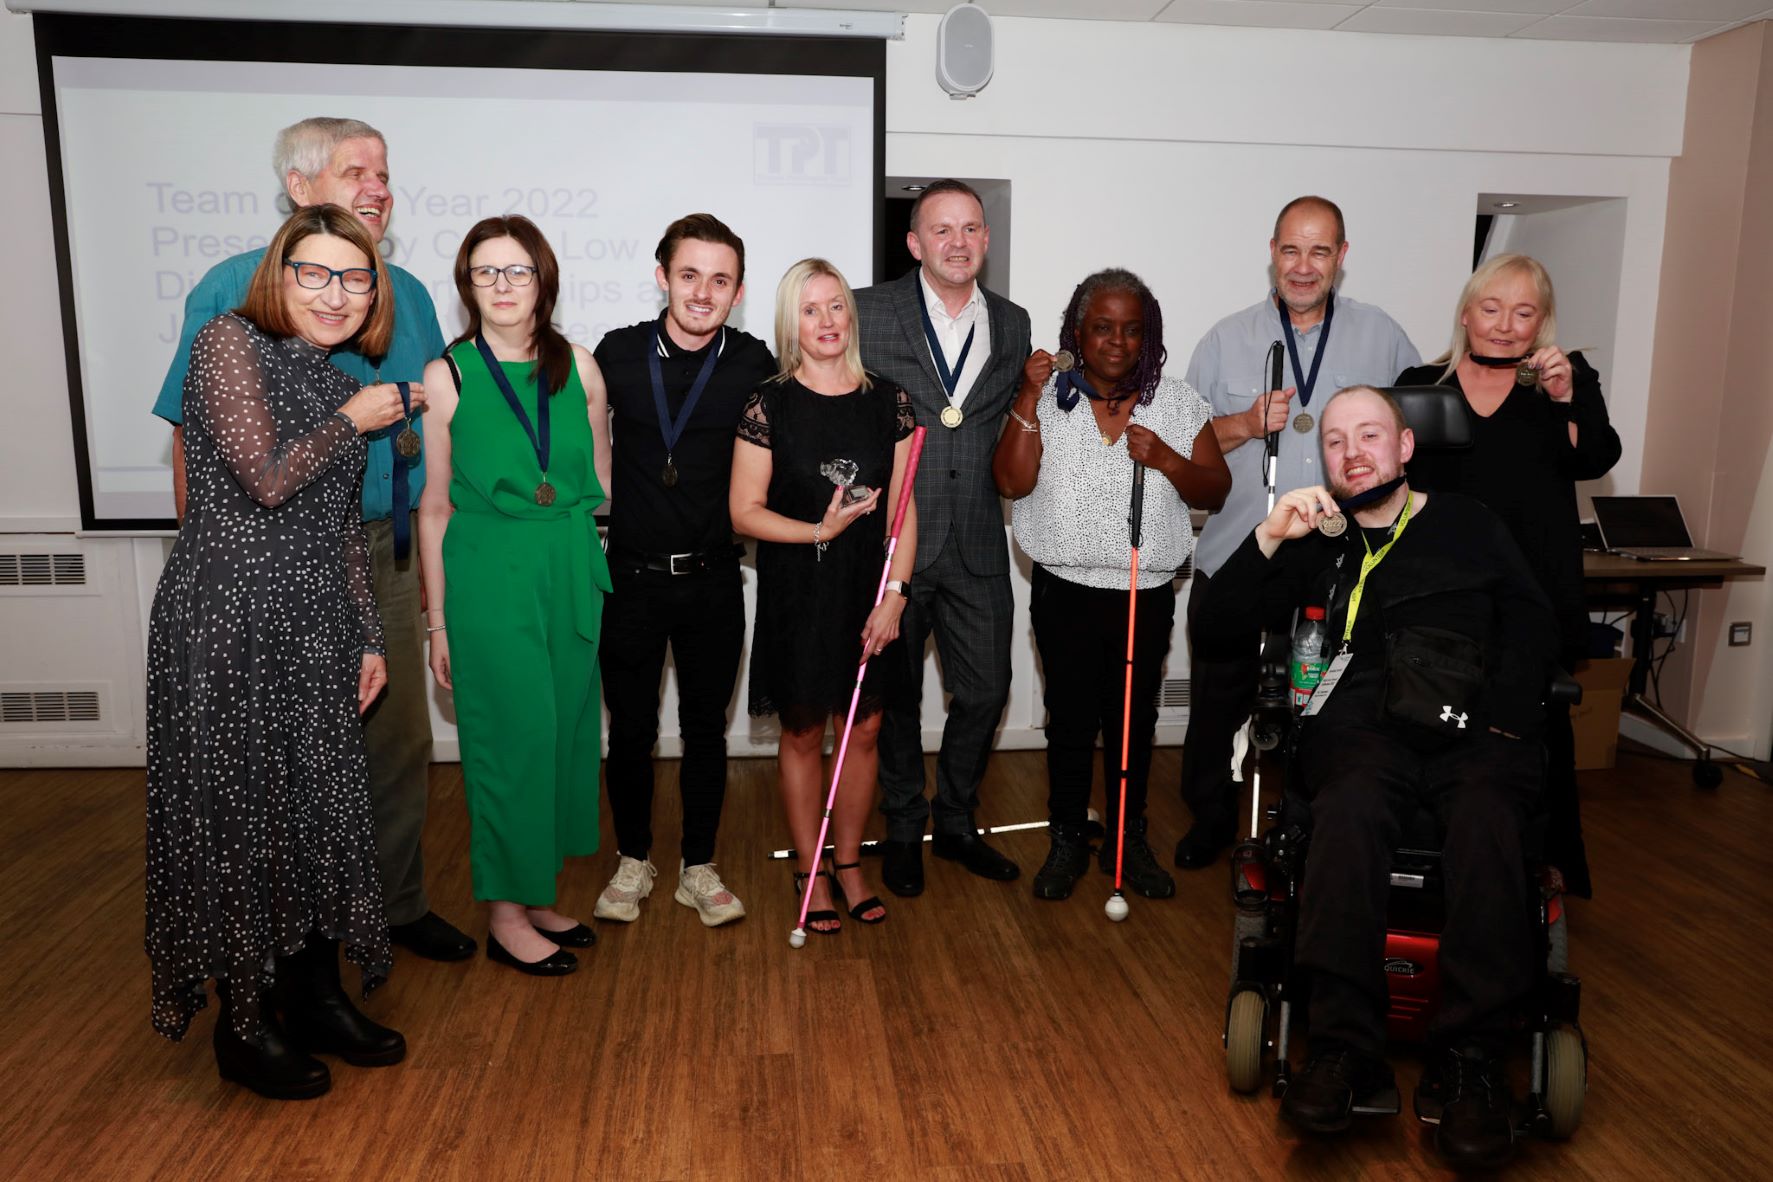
(1496, 362)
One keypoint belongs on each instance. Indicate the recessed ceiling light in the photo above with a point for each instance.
(1507, 204)
(915, 188)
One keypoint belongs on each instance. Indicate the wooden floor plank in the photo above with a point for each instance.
(977, 1034)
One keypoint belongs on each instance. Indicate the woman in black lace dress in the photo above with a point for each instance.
(818, 563)
(263, 650)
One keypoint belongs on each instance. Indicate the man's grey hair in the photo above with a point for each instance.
(307, 147)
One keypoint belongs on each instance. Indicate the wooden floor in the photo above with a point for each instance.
(977, 1034)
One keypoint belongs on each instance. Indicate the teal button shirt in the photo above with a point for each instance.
(417, 341)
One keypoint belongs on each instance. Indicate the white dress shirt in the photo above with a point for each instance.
(952, 332)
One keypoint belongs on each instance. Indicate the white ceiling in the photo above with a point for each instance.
(1649, 21)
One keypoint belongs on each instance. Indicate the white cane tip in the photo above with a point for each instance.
(1115, 908)
(797, 937)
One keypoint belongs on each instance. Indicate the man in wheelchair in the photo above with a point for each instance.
(1441, 643)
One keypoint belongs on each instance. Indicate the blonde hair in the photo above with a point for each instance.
(788, 296)
(1481, 278)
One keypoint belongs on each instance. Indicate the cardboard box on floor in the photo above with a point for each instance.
(1596, 720)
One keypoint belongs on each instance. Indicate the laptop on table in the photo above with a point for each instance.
(1650, 529)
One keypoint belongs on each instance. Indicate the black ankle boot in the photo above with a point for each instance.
(269, 1065)
(1139, 869)
(1066, 862)
(321, 1019)
(1476, 1130)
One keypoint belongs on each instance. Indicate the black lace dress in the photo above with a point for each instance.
(811, 607)
(259, 824)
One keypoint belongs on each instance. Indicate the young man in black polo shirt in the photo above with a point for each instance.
(676, 388)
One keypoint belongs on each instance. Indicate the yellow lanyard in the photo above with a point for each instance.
(1373, 559)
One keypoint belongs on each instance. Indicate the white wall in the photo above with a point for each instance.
(1178, 175)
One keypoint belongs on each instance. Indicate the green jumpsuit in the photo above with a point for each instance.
(524, 587)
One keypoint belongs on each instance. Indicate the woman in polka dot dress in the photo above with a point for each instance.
(264, 649)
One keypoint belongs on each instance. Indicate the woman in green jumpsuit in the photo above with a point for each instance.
(509, 547)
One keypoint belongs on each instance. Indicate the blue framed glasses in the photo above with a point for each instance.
(314, 277)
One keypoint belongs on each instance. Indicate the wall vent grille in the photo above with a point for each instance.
(26, 707)
(63, 569)
(1173, 693)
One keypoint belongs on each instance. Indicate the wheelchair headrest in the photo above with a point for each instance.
(1437, 414)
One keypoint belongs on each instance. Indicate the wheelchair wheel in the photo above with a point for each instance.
(1243, 1041)
(1566, 1080)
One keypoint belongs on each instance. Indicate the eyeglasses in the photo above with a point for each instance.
(314, 277)
(517, 275)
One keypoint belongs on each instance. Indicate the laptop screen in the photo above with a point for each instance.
(1629, 522)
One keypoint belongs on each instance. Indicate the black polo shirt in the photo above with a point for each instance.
(692, 516)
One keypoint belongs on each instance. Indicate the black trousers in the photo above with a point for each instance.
(1361, 780)
(702, 618)
(1081, 633)
(1220, 694)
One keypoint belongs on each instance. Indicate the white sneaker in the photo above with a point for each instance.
(633, 882)
(700, 887)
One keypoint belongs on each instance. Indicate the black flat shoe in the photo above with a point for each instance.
(433, 937)
(1338, 1084)
(559, 964)
(823, 914)
(970, 850)
(577, 936)
(868, 904)
(902, 867)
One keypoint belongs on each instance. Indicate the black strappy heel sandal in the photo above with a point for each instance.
(868, 904)
(823, 914)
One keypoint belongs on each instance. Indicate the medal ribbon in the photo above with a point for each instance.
(538, 434)
(1302, 382)
(673, 431)
(950, 381)
(1373, 559)
(402, 490)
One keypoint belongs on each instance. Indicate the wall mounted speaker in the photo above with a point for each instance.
(963, 51)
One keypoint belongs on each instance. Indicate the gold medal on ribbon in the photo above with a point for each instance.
(951, 417)
(1304, 423)
(544, 493)
(1527, 374)
(1333, 525)
(407, 443)
(1063, 361)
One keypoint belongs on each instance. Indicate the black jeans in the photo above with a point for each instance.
(702, 617)
(1082, 636)
(1361, 780)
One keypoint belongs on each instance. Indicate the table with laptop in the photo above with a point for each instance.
(1645, 548)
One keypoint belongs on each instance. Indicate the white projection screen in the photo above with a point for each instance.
(160, 137)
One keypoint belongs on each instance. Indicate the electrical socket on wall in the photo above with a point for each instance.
(1740, 631)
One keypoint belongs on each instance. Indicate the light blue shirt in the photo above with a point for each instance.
(1229, 368)
(417, 342)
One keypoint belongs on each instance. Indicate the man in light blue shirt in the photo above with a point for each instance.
(1331, 342)
(344, 162)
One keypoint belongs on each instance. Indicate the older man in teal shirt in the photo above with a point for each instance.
(344, 162)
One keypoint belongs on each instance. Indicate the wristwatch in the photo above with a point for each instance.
(897, 585)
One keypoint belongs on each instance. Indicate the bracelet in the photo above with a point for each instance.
(430, 628)
(1027, 426)
(818, 543)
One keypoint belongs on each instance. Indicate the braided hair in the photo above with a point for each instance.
(1149, 369)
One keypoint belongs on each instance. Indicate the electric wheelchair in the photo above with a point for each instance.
(1268, 994)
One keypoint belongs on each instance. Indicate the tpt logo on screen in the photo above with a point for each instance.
(800, 154)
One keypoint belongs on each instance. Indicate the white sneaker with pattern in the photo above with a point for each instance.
(700, 887)
(633, 882)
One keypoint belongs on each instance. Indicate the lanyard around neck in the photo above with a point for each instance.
(1306, 383)
(1370, 561)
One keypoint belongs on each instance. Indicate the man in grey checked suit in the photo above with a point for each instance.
(958, 350)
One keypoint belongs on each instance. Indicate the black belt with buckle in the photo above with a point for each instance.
(694, 563)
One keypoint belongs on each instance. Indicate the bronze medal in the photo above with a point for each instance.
(1527, 374)
(544, 493)
(952, 417)
(1332, 526)
(1063, 361)
(407, 443)
(1304, 423)
(669, 475)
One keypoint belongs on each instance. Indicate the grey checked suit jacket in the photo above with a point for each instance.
(955, 492)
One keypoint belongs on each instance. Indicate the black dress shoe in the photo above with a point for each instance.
(577, 936)
(1337, 1082)
(270, 1065)
(1476, 1130)
(1201, 845)
(902, 867)
(321, 1019)
(970, 850)
(559, 964)
(433, 937)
